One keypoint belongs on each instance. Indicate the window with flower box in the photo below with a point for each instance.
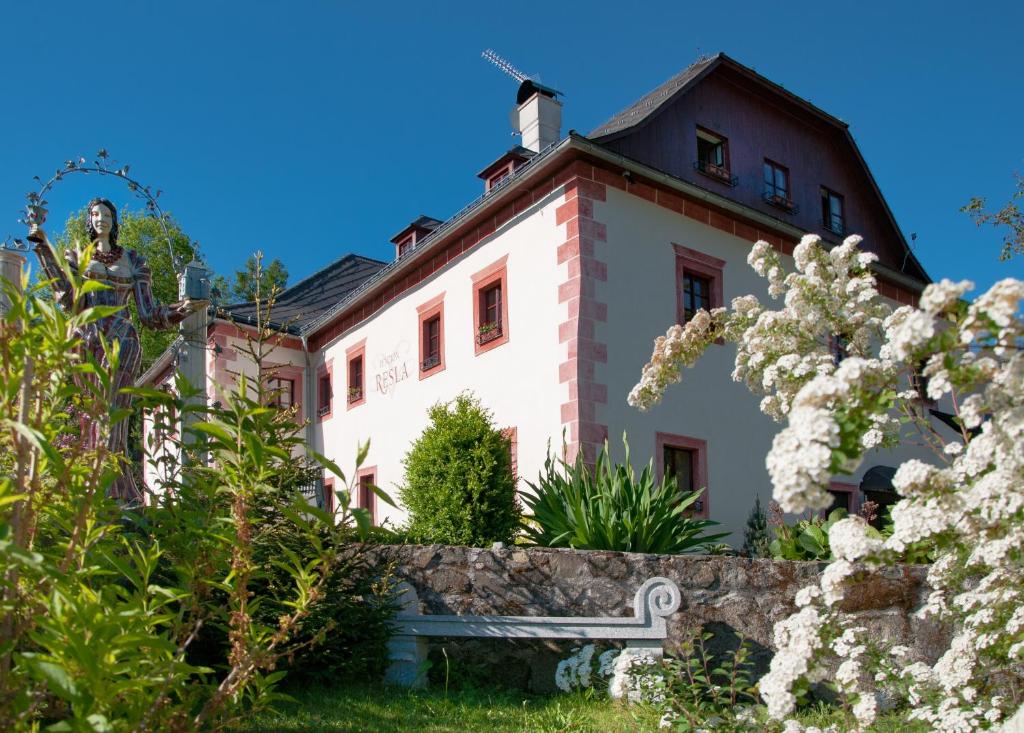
(713, 156)
(431, 326)
(490, 312)
(356, 387)
(776, 186)
(324, 390)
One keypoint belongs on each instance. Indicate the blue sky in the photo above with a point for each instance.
(315, 128)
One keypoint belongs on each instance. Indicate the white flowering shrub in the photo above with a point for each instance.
(580, 670)
(968, 503)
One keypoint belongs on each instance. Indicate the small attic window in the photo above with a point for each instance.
(713, 155)
(498, 177)
(405, 245)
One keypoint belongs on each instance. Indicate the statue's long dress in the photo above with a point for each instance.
(129, 276)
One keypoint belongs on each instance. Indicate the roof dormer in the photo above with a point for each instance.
(504, 166)
(406, 239)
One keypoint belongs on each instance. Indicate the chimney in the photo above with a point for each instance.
(538, 116)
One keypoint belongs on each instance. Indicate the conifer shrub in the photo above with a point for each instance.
(459, 485)
(756, 537)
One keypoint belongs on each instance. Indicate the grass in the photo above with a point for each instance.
(383, 709)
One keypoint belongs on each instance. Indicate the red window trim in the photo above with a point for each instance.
(360, 475)
(512, 436)
(425, 312)
(496, 272)
(295, 374)
(329, 495)
(852, 489)
(353, 352)
(325, 369)
(501, 173)
(698, 263)
(700, 466)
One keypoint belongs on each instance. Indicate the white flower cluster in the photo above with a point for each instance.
(968, 507)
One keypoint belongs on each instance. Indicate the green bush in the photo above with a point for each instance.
(805, 540)
(459, 487)
(103, 607)
(612, 509)
(756, 538)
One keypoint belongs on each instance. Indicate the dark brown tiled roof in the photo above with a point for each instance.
(303, 302)
(649, 103)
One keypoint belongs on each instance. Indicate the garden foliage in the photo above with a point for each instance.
(968, 502)
(807, 539)
(756, 537)
(609, 507)
(459, 485)
(104, 607)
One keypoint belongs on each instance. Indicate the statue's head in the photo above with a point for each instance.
(101, 220)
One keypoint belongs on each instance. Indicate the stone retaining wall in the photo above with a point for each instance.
(724, 595)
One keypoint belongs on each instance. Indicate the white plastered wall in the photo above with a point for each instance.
(707, 405)
(517, 381)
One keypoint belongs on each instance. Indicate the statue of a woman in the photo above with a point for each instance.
(127, 274)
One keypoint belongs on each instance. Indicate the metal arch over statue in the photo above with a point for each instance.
(127, 276)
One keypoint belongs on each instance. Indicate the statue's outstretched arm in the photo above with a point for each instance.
(152, 313)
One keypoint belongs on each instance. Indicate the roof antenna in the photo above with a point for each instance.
(504, 65)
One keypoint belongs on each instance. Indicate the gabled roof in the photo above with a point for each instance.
(304, 302)
(423, 224)
(648, 104)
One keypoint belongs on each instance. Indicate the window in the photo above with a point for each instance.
(367, 499)
(832, 211)
(355, 355)
(497, 178)
(776, 185)
(281, 392)
(490, 315)
(698, 282)
(431, 320)
(324, 392)
(686, 459)
(328, 495)
(511, 435)
(696, 294)
(355, 379)
(404, 247)
(713, 155)
(844, 496)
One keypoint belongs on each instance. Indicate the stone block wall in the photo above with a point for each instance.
(724, 595)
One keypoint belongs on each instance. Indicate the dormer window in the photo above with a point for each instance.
(413, 234)
(405, 245)
(498, 177)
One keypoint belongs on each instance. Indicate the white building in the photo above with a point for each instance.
(544, 295)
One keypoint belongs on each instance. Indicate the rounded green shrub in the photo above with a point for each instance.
(459, 485)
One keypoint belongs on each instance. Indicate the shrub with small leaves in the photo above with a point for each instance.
(459, 485)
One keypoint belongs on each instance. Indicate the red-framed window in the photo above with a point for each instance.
(355, 358)
(367, 478)
(499, 176)
(405, 245)
(325, 390)
(490, 311)
(685, 458)
(833, 211)
(844, 496)
(329, 499)
(280, 392)
(699, 282)
(512, 436)
(431, 328)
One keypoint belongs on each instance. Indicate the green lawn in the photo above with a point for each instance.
(383, 709)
